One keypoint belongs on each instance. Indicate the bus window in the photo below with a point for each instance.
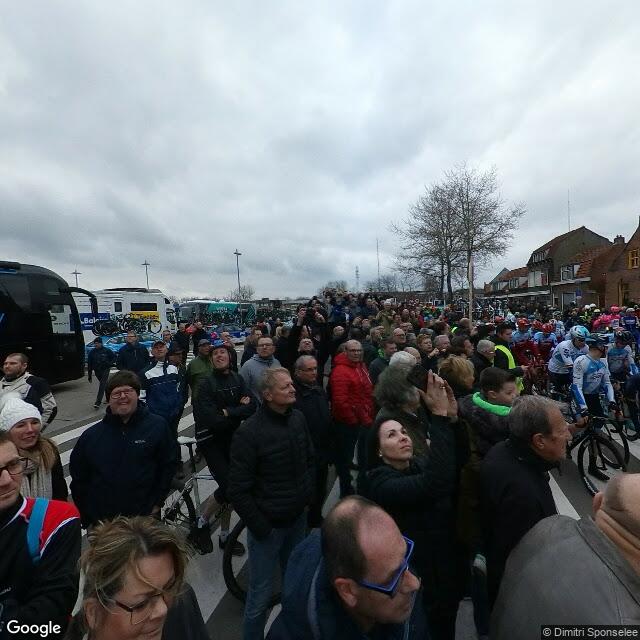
(117, 307)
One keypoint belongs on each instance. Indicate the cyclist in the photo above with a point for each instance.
(591, 377)
(620, 357)
(522, 339)
(614, 318)
(629, 322)
(558, 325)
(546, 341)
(564, 355)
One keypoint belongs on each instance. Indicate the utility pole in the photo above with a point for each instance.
(237, 254)
(146, 264)
(378, 254)
(76, 273)
(357, 279)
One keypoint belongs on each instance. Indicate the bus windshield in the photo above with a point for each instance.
(38, 317)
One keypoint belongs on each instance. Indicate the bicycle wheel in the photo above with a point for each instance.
(613, 432)
(235, 570)
(154, 326)
(179, 511)
(593, 454)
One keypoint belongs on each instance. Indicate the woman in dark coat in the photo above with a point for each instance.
(417, 492)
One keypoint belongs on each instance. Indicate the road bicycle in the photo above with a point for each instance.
(182, 511)
(122, 324)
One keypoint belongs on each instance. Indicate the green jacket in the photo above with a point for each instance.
(197, 370)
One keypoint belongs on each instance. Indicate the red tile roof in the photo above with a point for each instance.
(585, 260)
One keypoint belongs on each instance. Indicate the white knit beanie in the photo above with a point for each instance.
(13, 410)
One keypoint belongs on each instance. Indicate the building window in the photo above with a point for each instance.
(513, 283)
(566, 272)
(624, 293)
(634, 259)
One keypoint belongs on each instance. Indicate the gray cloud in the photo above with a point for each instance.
(298, 132)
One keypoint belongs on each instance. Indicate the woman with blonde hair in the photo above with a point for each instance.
(459, 373)
(43, 476)
(134, 571)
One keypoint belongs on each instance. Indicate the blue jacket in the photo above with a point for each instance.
(119, 469)
(311, 609)
(161, 390)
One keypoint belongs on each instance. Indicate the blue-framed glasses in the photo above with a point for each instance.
(391, 587)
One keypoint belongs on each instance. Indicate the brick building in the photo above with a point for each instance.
(621, 277)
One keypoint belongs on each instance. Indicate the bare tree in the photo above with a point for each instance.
(338, 285)
(484, 221)
(429, 241)
(246, 293)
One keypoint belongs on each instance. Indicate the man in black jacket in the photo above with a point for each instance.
(182, 338)
(38, 586)
(312, 400)
(379, 364)
(482, 359)
(271, 481)
(222, 403)
(99, 361)
(198, 334)
(124, 464)
(515, 479)
(133, 356)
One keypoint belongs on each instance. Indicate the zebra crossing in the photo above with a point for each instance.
(222, 611)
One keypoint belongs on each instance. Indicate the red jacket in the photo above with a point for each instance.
(351, 392)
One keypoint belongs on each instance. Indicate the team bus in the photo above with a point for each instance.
(217, 311)
(39, 317)
(149, 305)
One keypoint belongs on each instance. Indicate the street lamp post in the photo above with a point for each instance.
(237, 254)
(76, 273)
(146, 264)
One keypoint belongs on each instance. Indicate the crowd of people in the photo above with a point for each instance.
(442, 464)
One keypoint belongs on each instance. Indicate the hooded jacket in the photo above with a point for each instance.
(311, 609)
(252, 370)
(488, 423)
(122, 469)
(218, 392)
(351, 392)
(35, 391)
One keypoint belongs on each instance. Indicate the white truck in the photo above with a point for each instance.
(148, 305)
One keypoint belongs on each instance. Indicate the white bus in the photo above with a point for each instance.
(114, 304)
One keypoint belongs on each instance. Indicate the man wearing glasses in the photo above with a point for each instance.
(352, 409)
(123, 464)
(40, 547)
(351, 580)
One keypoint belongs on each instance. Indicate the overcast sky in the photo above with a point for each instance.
(297, 131)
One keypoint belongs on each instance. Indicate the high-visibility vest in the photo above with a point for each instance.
(512, 364)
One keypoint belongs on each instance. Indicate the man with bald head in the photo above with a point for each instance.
(352, 410)
(567, 571)
(351, 580)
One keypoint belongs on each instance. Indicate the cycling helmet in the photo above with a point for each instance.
(597, 311)
(547, 328)
(522, 323)
(578, 332)
(615, 309)
(624, 337)
(596, 342)
(537, 325)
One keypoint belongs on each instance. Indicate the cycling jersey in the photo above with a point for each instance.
(560, 330)
(520, 336)
(590, 377)
(630, 323)
(620, 360)
(546, 343)
(564, 355)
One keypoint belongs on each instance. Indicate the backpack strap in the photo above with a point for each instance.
(34, 528)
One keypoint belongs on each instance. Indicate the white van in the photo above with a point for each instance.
(149, 305)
